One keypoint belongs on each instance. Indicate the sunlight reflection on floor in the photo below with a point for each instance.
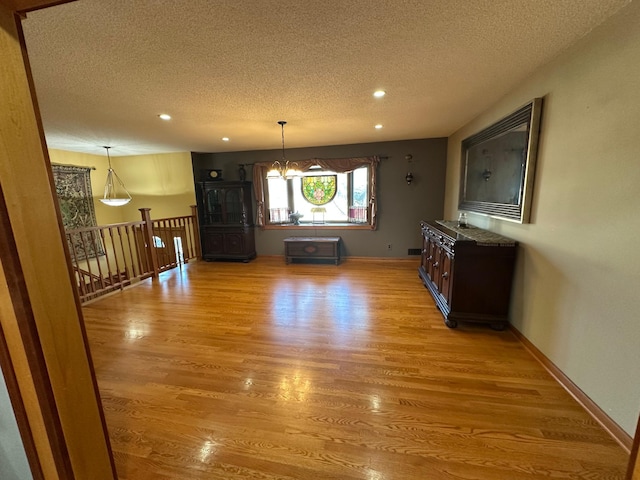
(335, 306)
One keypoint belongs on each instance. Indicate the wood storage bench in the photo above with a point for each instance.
(316, 248)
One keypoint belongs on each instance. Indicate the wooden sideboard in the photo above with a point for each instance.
(468, 271)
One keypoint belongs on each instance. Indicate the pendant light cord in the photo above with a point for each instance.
(108, 157)
(282, 124)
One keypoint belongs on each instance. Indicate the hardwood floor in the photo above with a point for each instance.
(272, 371)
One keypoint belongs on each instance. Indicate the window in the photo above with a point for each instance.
(320, 197)
(331, 193)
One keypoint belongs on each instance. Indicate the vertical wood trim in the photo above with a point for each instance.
(633, 472)
(46, 298)
(20, 333)
(11, 380)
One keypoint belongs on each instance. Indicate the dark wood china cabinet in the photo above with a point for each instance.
(468, 271)
(226, 220)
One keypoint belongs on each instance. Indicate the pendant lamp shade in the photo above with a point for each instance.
(115, 193)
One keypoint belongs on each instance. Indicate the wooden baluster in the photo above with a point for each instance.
(126, 257)
(171, 260)
(137, 238)
(178, 229)
(157, 232)
(130, 230)
(115, 253)
(94, 242)
(85, 249)
(106, 256)
(162, 225)
(148, 233)
(76, 268)
(87, 268)
(172, 236)
(145, 254)
(182, 231)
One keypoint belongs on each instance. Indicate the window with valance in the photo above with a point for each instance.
(332, 192)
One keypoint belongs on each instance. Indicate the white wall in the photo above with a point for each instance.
(13, 459)
(577, 295)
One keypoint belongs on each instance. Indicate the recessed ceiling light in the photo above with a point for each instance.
(378, 126)
(379, 93)
(165, 116)
(225, 139)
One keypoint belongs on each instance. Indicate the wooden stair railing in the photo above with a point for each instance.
(91, 285)
(110, 257)
(177, 240)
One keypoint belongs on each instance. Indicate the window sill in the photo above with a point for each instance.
(319, 226)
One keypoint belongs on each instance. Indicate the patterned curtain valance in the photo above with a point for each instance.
(338, 165)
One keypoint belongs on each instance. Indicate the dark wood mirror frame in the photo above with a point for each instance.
(498, 166)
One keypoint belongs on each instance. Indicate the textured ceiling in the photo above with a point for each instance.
(104, 69)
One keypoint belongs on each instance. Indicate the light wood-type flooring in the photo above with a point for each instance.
(263, 370)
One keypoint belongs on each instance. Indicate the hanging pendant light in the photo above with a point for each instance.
(283, 169)
(111, 197)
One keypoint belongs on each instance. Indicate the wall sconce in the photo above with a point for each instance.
(409, 176)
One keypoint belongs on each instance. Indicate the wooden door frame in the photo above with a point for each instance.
(45, 350)
(11, 378)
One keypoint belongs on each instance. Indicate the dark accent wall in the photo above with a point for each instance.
(400, 206)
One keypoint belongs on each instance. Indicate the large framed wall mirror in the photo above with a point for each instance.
(498, 166)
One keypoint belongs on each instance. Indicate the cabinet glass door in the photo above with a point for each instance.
(233, 203)
(213, 206)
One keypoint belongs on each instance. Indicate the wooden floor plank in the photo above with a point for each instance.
(272, 371)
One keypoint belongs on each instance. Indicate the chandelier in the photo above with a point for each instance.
(111, 196)
(283, 168)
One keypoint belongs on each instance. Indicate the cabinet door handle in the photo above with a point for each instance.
(424, 251)
(430, 257)
(435, 265)
(445, 275)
